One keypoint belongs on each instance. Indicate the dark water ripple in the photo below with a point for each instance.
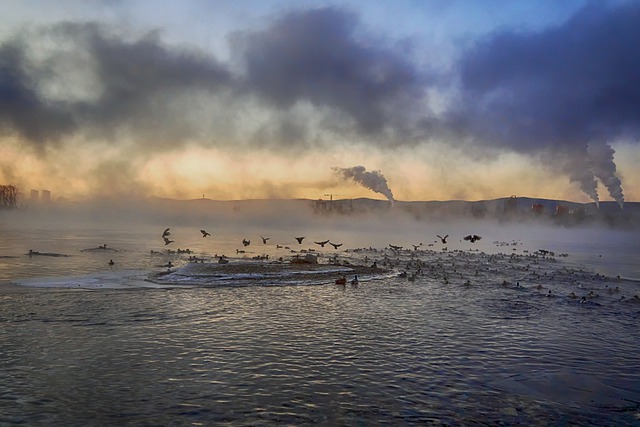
(386, 352)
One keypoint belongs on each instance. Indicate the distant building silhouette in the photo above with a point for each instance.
(8, 196)
(35, 194)
(537, 208)
(46, 195)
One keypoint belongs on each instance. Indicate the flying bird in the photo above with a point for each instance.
(166, 232)
(246, 242)
(322, 243)
(167, 241)
(444, 239)
(395, 248)
(205, 233)
(264, 239)
(472, 238)
(299, 239)
(335, 245)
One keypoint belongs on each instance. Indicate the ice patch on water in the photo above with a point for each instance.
(110, 280)
(250, 273)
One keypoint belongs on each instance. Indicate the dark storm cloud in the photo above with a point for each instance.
(140, 78)
(566, 85)
(22, 109)
(136, 84)
(316, 56)
(562, 89)
(151, 91)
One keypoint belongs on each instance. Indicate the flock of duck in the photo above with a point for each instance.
(246, 242)
(524, 271)
(531, 273)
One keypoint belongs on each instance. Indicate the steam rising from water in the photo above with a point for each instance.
(373, 180)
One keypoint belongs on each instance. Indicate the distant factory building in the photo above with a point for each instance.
(46, 195)
(35, 194)
(537, 208)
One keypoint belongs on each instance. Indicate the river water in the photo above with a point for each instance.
(477, 334)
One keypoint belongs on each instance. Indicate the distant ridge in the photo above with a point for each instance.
(294, 211)
(492, 206)
(503, 209)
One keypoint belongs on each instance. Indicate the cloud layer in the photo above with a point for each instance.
(318, 77)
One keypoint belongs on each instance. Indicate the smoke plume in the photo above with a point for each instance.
(605, 169)
(580, 170)
(555, 90)
(373, 180)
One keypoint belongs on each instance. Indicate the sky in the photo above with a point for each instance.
(404, 100)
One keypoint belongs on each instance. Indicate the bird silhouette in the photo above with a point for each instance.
(394, 247)
(167, 241)
(205, 233)
(246, 242)
(335, 245)
(299, 239)
(443, 239)
(166, 232)
(264, 239)
(322, 243)
(472, 238)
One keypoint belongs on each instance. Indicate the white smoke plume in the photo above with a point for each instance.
(604, 168)
(580, 170)
(373, 180)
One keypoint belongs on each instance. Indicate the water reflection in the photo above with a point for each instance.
(389, 351)
(385, 353)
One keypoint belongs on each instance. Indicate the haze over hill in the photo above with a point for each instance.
(294, 211)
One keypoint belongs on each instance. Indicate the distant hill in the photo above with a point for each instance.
(502, 209)
(160, 210)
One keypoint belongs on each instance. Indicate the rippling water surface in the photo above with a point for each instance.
(473, 340)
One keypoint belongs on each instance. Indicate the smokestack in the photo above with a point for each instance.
(373, 180)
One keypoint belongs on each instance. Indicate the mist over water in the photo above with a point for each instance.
(135, 226)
